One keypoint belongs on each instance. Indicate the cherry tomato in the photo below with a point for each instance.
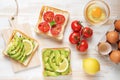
(56, 29)
(82, 45)
(76, 26)
(44, 27)
(59, 19)
(48, 16)
(87, 32)
(74, 37)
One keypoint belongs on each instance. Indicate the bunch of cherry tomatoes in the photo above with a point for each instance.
(79, 35)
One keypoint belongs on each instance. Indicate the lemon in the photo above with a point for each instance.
(91, 66)
(28, 46)
(63, 66)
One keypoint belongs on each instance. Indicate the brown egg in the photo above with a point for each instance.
(117, 25)
(119, 45)
(115, 56)
(112, 37)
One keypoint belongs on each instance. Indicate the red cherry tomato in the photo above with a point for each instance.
(48, 16)
(56, 29)
(82, 45)
(74, 37)
(76, 26)
(44, 27)
(59, 19)
(87, 32)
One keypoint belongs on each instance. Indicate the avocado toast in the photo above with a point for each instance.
(56, 61)
(21, 47)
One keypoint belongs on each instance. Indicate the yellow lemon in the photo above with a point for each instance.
(91, 66)
(28, 46)
(63, 66)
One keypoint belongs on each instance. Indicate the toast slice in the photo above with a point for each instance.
(56, 61)
(56, 11)
(21, 47)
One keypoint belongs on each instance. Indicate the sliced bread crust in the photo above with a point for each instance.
(27, 61)
(56, 11)
(65, 48)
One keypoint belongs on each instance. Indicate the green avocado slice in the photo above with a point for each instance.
(46, 59)
(12, 46)
(63, 54)
(24, 57)
(18, 53)
(21, 54)
(57, 57)
(67, 71)
(50, 73)
(15, 50)
(51, 61)
(47, 67)
(46, 55)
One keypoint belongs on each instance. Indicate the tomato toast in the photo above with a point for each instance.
(21, 47)
(52, 22)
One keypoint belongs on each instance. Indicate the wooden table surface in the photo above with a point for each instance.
(29, 12)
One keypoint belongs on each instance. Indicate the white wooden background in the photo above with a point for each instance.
(29, 12)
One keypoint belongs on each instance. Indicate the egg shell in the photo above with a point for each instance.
(104, 48)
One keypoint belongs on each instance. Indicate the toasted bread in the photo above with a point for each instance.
(44, 9)
(48, 62)
(29, 57)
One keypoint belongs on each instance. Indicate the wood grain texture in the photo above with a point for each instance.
(29, 13)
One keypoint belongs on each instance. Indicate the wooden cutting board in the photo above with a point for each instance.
(35, 61)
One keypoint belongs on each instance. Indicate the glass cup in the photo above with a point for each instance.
(96, 12)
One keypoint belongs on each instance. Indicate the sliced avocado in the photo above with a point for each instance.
(57, 57)
(24, 57)
(67, 53)
(63, 54)
(52, 59)
(46, 59)
(15, 50)
(21, 54)
(47, 66)
(47, 53)
(67, 71)
(50, 73)
(51, 63)
(58, 61)
(12, 46)
(18, 53)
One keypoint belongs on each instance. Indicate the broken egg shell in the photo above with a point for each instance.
(104, 48)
